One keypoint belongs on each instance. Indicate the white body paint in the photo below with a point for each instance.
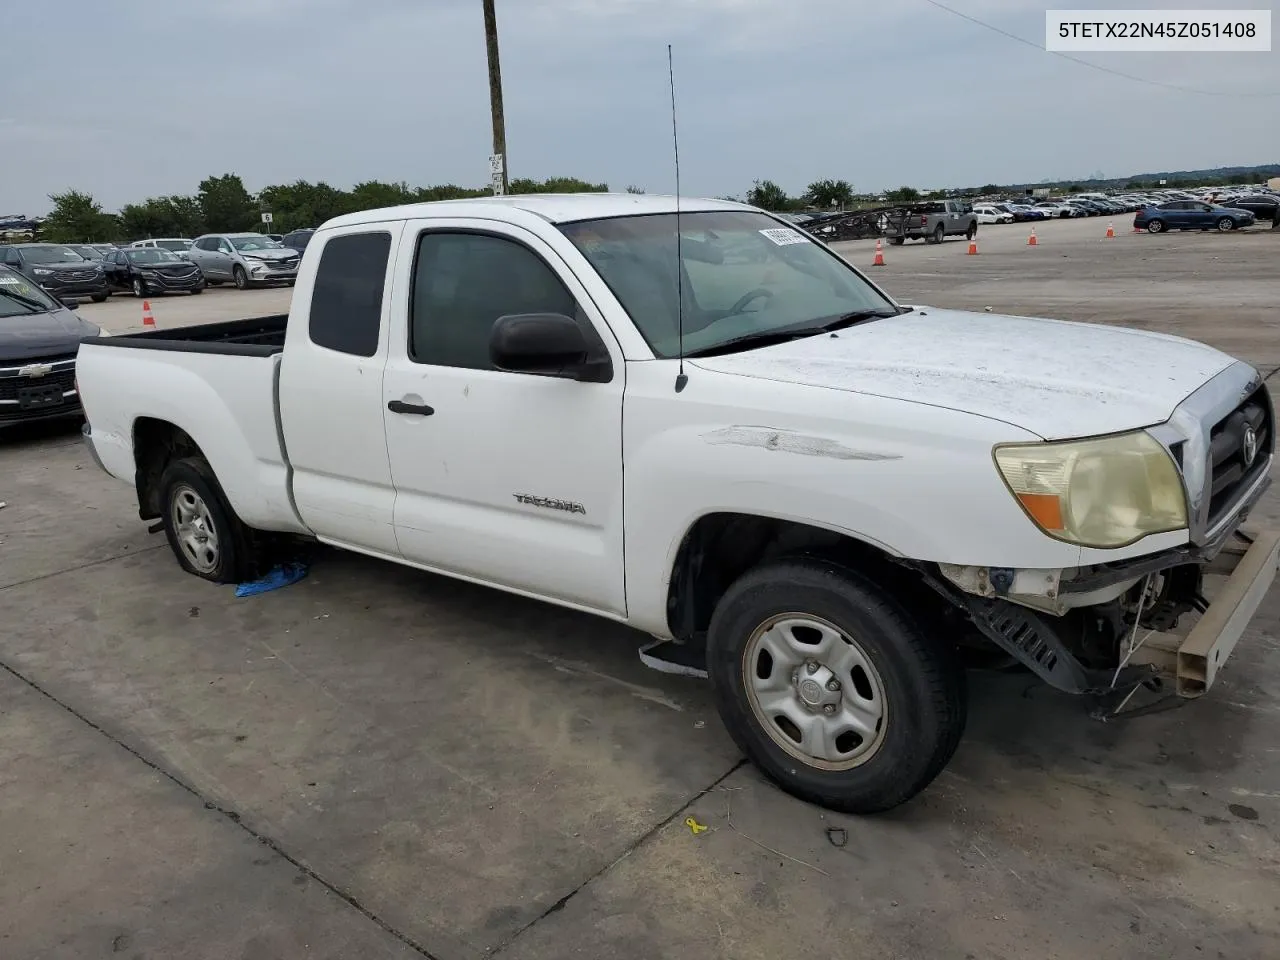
(883, 432)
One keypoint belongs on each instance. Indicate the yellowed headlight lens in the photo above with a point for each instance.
(1107, 492)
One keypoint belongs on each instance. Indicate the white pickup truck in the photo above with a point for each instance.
(831, 505)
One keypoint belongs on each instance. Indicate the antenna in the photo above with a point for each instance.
(681, 379)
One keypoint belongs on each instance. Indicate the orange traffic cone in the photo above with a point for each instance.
(973, 246)
(148, 318)
(1111, 230)
(879, 260)
(1031, 240)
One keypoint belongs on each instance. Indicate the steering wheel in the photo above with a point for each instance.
(749, 297)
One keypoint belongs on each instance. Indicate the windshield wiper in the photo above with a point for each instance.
(35, 305)
(751, 340)
(857, 316)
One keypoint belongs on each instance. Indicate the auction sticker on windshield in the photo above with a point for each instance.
(784, 236)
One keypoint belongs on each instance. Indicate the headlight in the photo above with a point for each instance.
(1107, 492)
(41, 272)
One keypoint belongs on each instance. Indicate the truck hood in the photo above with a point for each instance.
(1054, 378)
(42, 335)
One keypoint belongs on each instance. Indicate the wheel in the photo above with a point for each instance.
(203, 531)
(829, 687)
(1155, 226)
(197, 290)
(939, 234)
(99, 297)
(897, 241)
(139, 287)
(1226, 224)
(214, 283)
(240, 277)
(971, 232)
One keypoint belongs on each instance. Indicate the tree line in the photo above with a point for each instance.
(223, 204)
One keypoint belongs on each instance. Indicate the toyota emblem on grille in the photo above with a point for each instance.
(1249, 446)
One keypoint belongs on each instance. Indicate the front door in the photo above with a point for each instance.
(504, 478)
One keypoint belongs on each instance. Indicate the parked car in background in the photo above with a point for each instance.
(935, 220)
(1262, 205)
(58, 269)
(1191, 215)
(298, 239)
(179, 245)
(39, 337)
(990, 213)
(1056, 208)
(87, 250)
(245, 259)
(1023, 212)
(148, 271)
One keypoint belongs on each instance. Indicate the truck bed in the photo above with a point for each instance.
(255, 337)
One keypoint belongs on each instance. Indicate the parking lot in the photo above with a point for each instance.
(376, 762)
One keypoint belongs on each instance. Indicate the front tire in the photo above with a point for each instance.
(240, 277)
(971, 232)
(139, 287)
(829, 687)
(99, 297)
(203, 530)
(1226, 225)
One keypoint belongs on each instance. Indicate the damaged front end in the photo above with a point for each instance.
(1113, 627)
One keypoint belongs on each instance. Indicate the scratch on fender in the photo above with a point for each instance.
(786, 441)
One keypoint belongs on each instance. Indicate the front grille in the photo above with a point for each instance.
(1230, 472)
(283, 264)
(9, 386)
(76, 274)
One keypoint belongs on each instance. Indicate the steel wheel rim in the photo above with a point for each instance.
(193, 524)
(789, 666)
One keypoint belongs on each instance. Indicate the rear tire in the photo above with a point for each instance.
(240, 277)
(1155, 226)
(897, 241)
(876, 669)
(939, 234)
(203, 530)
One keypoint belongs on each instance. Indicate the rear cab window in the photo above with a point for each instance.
(346, 297)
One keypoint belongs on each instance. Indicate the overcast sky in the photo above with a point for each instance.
(133, 98)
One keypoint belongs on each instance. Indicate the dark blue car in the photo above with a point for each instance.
(1191, 215)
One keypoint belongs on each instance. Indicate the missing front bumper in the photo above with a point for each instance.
(1192, 662)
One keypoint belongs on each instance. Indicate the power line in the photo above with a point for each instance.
(1092, 66)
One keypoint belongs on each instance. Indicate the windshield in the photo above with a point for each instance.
(743, 274)
(254, 243)
(155, 255)
(50, 254)
(179, 245)
(20, 297)
(89, 253)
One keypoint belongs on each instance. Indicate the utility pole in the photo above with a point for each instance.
(495, 96)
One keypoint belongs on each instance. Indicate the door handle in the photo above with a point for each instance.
(421, 409)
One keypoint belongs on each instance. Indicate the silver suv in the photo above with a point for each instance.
(246, 259)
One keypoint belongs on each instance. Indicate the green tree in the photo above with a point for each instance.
(226, 205)
(557, 185)
(303, 204)
(373, 194)
(76, 217)
(635, 189)
(903, 195)
(829, 193)
(989, 188)
(175, 216)
(767, 195)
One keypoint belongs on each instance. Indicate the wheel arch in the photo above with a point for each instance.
(719, 547)
(156, 442)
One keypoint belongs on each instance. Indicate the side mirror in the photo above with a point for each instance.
(71, 303)
(549, 345)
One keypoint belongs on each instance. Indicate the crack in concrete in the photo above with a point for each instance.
(83, 566)
(639, 842)
(231, 815)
